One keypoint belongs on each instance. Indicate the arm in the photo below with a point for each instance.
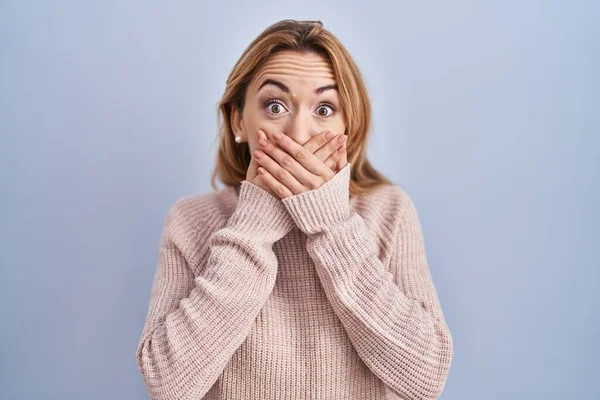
(398, 329)
(195, 324)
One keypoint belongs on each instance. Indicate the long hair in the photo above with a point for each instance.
(233, 159)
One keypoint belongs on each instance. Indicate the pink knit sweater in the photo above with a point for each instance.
(314, 296)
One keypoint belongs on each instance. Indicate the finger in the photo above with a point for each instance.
(277, 187)
(295, 155)
(331, 147)
(278, 172)
(344, 158)
(333, 160)
(268, 144)
(318, 141)
(289, 163)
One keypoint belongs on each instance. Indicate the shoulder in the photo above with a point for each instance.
(387, 211)
(195, 211)
(386, 204)
(191, 219)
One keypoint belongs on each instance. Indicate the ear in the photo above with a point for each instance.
(237, 123)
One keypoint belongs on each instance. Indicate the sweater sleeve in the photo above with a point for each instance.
(398, 330)
(195, 324)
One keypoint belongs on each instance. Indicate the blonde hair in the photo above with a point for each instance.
(233, 159)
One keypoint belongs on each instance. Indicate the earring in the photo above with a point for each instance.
(238, 139)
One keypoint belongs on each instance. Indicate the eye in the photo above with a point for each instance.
(274, 107)
(322, 110)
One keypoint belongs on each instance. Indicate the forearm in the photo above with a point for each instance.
(390, 311)
(404, 344)
(196, 323)
(183, 356)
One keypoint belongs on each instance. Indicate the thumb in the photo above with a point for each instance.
(252, 170)
(343, 161)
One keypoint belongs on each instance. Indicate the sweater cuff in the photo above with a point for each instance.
(315, 210)
(260, 214)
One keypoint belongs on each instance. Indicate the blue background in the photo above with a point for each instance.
(486, 113)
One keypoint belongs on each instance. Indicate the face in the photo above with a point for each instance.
(294, 94)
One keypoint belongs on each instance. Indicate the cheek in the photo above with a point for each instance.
(254, 119)
(254, 122)
(336, 125)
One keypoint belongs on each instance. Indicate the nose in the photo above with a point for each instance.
(300, 127)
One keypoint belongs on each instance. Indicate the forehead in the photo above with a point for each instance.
(296, 68)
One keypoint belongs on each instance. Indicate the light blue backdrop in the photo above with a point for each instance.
(487, 114)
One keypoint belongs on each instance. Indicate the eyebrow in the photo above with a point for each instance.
(284, 88)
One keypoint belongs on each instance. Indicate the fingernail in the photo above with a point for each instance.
(341, 149)
(341, 138)
(276, 135)
(328, 135)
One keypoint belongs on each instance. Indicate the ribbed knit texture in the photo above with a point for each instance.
(314, 296)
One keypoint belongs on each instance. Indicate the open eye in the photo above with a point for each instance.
(274, 107)
(322, 110)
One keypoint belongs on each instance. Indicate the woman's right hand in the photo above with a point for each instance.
(253, 176)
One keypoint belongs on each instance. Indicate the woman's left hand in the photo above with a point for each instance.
(290, 168)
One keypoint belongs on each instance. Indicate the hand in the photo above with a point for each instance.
(289, 168)
(257, 179)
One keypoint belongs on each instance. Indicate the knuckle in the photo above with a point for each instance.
(302, 154)
(286, 161)
(280, 190)
(281, 174)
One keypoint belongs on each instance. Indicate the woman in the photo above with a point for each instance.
(306, 277)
